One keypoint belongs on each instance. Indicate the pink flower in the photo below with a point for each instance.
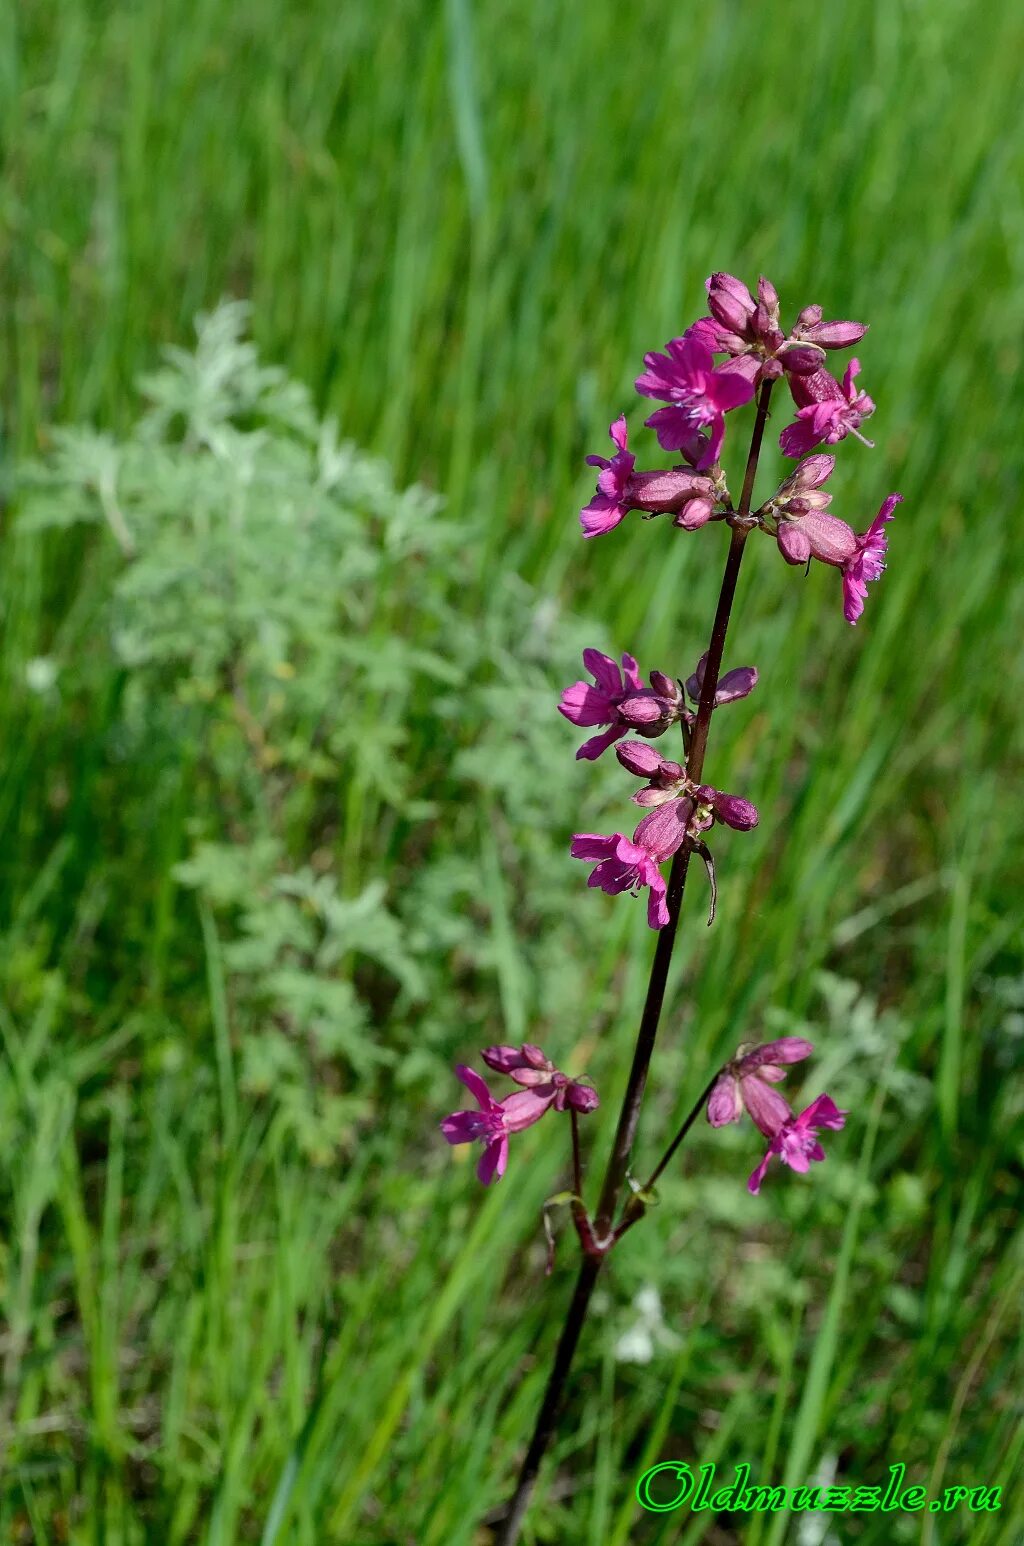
(868, 562)
(620, 700)
(668, 783)
(745, 1084)
(530, 1066)
(826, 411)
(622, 865)
(610, 504)
(681, 810)
(795, 1142)
(678, 491)
(700, 394)
(494, 1121)
(817, 534)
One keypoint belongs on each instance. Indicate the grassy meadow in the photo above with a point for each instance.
(286, 804)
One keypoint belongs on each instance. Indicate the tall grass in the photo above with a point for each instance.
(462, 225)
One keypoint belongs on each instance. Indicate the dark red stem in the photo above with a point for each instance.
(629, 1116)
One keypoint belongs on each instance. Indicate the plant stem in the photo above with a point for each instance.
(577, 1166)
(508, 1530)
(629, 1116)
(667, 1157)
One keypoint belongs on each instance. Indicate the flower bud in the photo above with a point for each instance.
(809, 317)
(728, 284)
(583, 1097)
(695, 514)
(801, 359)
(730, 312)
(735, 812)
(763, 1055)
(665, 686)
(637, 758)
(768, 296)
(835, 335)
(802, 504)
(502, 1059)
(765, 327)
(812, 472)
(647, 712)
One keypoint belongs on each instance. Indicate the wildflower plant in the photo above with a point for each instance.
(723, 361)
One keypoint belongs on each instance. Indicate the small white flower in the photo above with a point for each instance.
(41, 674)
(639, 1343)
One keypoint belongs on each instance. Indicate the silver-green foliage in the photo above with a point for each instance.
(293, 633)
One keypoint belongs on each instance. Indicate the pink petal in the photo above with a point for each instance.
(729, 388)
(591, 846)
(476, 1087)
(754, 1184)
(602, 516)
(631, 672)
(823, 1112)
(461, 1127)
(657, 909)
(603, 669)
(493, 1161)
(592, 749)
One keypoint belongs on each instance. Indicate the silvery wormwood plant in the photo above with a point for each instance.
(681, 807)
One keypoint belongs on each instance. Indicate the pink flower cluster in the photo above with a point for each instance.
(697, 393)
(805, 529)
(680, 809)
(747, 1084)
(543, 1088)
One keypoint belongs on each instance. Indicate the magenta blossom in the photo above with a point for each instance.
(530, 1066)
(668, 782)
(620, 700)
(700, 394)
(494, 1121)
(795, 1142)
(817, 534)
(745, 1084)
(610, 504)
(678, 491)
(681, 810)
(868, 562)
(621, 865)
(826, 411)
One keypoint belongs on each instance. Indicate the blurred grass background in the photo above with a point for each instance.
(461, 226)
